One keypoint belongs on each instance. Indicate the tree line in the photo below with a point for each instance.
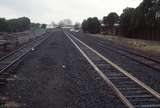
(141, 22)
(18, 25)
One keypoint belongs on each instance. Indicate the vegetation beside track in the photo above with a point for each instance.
(144, 45)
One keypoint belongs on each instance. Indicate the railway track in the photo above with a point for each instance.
(131, 91)
(140, 58)
(150, 62)
(12, 58)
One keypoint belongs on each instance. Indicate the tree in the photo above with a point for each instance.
(3, 25)
(25, 23)
(85, 25)
(125, 21)
(109, 23)
(19, 25)
(141, 22)
(111, 19)
(91, 25)
(35, 25)
(144, 21)
(77, 26)
(43, 26)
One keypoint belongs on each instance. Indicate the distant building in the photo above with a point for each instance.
(116, 29)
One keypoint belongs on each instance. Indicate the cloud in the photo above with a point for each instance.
(45, 11)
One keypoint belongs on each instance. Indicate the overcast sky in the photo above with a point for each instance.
(46, 11)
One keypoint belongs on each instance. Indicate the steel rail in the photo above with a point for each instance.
(13, 52)
(123, 98)
(27, 47)
(131, 54)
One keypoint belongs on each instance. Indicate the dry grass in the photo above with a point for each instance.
(145, 45)
(16, 40)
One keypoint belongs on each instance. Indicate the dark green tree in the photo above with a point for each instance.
(91, 25)
(3, 25)
(35, 25)
(19, 25)
(126, 21)
(77, 26)
(85, 25)
(111, 19)
(144, 21)
(43, 26)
